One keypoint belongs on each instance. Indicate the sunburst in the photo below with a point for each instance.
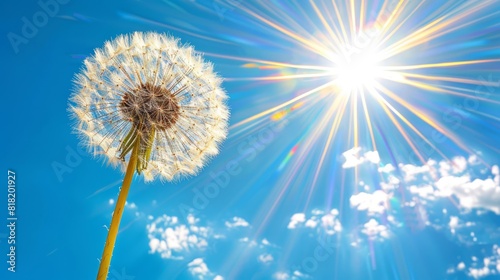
(370, 50)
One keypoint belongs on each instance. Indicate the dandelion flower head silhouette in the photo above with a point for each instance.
(147, 85)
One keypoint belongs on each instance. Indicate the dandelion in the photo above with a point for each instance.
(151, 106)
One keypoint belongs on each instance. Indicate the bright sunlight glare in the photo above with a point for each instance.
(357, 71)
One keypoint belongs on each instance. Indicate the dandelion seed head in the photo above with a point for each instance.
(147, 86)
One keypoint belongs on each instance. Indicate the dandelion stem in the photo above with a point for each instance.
(117, 214)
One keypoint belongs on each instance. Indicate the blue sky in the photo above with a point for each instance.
(416, 202)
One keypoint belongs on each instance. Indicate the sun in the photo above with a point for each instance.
(377, 73)
(357, 71)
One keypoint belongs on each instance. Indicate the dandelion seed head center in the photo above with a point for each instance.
(150, 106)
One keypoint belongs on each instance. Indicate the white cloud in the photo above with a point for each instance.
(375, 203)
(286, 276)
(435, 187)
(392, 184)
(496, 172)
(453, 224)
(476, 194)
(253, 243)
(317, 212)
(296, 219)
(353, 157)
(311, 223)
(281, 276)
(328, 223)
(299, 274)
(373, 230)
(454, 180)
(191, 219)
(479, 272)
(130, 205)
(265, 258)
(459, 165)
(487, 265)
(372, 156)
(425, 191)
(199, 269)
(172, 239)
(411, 171)
(237, 222)
(388, 168)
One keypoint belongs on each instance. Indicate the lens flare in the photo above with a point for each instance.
(382, 64)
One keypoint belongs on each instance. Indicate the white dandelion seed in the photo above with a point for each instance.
(149, 104)
(146, 85)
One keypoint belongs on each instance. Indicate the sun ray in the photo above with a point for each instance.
(352, 19)
(413, 128)
(336, 40)
(439, 65)
(429, 32)
(291, 101)
(441, 90)
(281, 77)
(313, 46)
(368, 121)
(341, 23)
(381, 39)
(331, 134)
(269, 62)
(448, 79)
(422, 116)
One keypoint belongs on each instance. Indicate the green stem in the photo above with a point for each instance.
(117, 214)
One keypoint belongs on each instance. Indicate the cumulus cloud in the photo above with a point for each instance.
(434, 181)
(199, 270)
(296, 219)
(373, 230)
(425, 191)
(172, 239)
(388, 168)
(354, 158)
(480, 267)
(455, 181)
(265, 258)
(263, 243)
(431, 184)
(330, 223)
(197, 267)
(477, 194)
(412, 172)
(237, 222)
(375, 203)
(319, 220)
